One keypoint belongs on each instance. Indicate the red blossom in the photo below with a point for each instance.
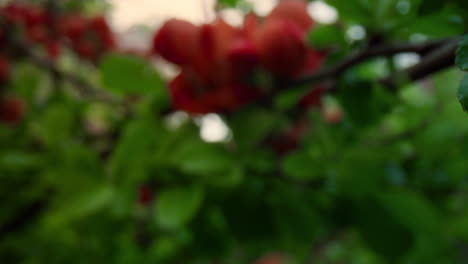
(145, 195)
(176, 41)
(219, 62)
(4, 69)
(11, 110)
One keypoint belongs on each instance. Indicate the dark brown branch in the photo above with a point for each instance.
(379, 51)
(439, 59)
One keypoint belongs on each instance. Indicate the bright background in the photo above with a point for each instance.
(127, 13)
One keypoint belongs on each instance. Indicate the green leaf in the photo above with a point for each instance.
(129, 74)
(382, 231)
(165, 248)
(446, 23)
(251, 126)
(81, 206)
(462, 3)
(355, 98)
(177, 206)
(431, 6)
(56, 125)
(363, 102)
(211, 233)
(300, 165)
(462, 54)
(359, 172)
(26, 80)
(294, 216)
(462, 93)
(325, 36)
(130, 160)
(416, 213)
(19, 160)
(285, 100)
(354, 11)
(210, 163)
(412, 210)
(229, 3)
(232, 176)
(197, 157)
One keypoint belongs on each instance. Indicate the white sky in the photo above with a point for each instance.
(127, 13)
(131, 12)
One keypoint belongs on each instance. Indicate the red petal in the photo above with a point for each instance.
(282, 47)
(176, 41)
(294, 10)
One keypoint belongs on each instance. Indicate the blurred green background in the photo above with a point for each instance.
(84, 181)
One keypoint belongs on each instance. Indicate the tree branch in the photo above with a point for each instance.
(439, 59)
(379, 51)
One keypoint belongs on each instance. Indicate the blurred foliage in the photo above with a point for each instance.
(388, 184)
(462, 62)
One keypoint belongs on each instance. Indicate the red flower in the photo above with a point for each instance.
(73, 27)
(313, 98)
(11, 110)
(294, 10)
(250, 26)
(193, 95)
(176, 41)
(218, 61)
(34, 16)
(314, 59)
(145, 195)
(15, 13)
(187, 94)
(90, 38)
(230, 96)
(4, 69)
(85, 48)
(282, 47)
(243, 56)
(104, 34)
(271, 259)
(2, 36)
(37, 33)
(217, 38)
(53, 49)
